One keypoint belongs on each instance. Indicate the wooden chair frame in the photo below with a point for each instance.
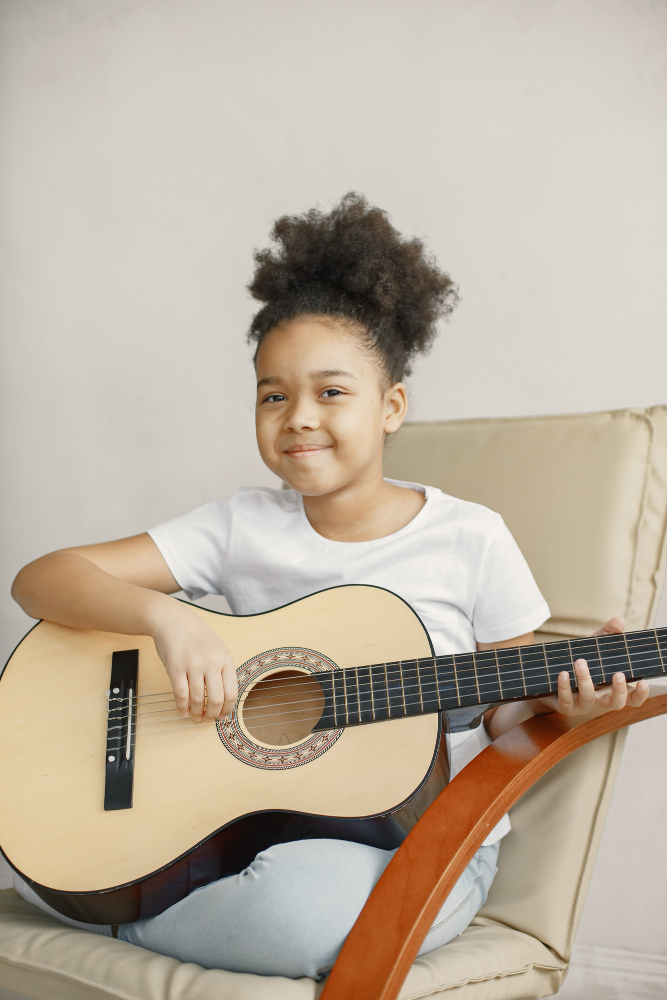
(384, 941)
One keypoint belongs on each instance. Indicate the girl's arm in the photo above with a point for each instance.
(500, 719)
(122, 586)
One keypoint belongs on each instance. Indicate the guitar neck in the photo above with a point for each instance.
(379, 691)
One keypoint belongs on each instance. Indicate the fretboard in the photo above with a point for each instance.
(379, 691)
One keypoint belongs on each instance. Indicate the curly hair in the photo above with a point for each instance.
(353, 265)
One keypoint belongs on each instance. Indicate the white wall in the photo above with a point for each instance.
(146, 148)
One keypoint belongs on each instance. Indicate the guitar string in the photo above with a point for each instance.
(532, 647)
(168, 732)
(425, 687)
(525, 657)
(176, 724)
(165, 727)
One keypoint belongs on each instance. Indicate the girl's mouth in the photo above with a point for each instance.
(306, 452)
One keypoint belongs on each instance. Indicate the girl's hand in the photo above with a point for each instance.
(619, 694)
(197, 663)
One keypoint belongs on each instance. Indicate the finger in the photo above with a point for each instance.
(181, 693)
(214, 694)
(196, 683)
(619, 691)
(565, 695)
(616, 624)
(231, 688)
(638, 693)
(586, 700)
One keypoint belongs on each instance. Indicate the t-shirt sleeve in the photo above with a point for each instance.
(194, 547)
(508, 602)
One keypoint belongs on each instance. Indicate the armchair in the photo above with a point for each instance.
(578, 491)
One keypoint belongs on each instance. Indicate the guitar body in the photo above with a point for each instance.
(205, 796)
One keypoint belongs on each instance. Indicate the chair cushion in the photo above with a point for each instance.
(49, 960)
(487, 962)
(553, 478)
(53, 961)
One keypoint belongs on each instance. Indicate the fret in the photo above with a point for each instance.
(351, 696)
(628, 652)
(386, 687)
(370, 684)
(500, 684)
(465, 678)
(448, 692)
(510, 673)
(456, 680)
(339, 699)
(379, 689)
(523, 676)
(599, 652)
(488, 677)
(365, 694)
(419, 685)
(614, 657)
(395, 691)
(535, 674)
(400, 670)
(428, 684)
(662, 653)
(474, 670)
(587, 649)
(645, 656)
(558, 657)
(411, 688)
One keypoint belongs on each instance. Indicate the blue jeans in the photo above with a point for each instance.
(289, 911)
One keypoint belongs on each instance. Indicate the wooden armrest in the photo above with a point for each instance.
(384, 941)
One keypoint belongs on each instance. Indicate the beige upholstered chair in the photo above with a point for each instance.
(585, 495)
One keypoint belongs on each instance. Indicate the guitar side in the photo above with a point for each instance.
(198, 812)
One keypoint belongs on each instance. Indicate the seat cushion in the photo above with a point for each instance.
(489, 961)
(48, 960)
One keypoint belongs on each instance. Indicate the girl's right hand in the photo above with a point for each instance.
(197, 663)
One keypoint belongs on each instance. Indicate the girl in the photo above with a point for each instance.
(348, 302)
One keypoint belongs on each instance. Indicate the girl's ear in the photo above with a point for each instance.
(396, 407)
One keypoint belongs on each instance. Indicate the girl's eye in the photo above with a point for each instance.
(272, 396)
(333, 390)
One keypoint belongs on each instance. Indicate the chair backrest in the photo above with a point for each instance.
(585, 496)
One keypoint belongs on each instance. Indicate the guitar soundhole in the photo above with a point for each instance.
(280, 702)
(283, 709)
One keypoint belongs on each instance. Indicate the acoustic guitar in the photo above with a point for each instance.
(114, 807)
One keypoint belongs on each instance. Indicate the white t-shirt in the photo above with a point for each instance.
(455, 563)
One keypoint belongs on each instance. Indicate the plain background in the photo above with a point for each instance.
(146, 146)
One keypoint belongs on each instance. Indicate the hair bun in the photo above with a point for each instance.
(354, 262)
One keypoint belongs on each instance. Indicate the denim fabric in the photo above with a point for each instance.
(288, 913)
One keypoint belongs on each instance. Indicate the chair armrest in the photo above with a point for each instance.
(383, 943)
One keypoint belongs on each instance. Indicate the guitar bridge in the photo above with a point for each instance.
(121, 730)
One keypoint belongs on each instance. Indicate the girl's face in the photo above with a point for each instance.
(321, 416)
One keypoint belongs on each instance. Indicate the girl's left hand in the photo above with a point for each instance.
(609, 698)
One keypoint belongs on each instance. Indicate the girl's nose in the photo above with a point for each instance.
(300, 416)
